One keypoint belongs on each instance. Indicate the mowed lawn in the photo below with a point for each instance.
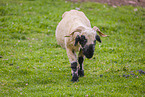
(33, 65)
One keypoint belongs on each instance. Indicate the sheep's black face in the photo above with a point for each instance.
(88, 50)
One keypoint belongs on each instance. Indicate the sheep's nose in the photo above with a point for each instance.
(88, 51)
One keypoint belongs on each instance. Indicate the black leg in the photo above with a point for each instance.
(75, 76)
(81, 59)
(81, 70)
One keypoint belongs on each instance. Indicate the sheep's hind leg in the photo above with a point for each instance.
(80, 60)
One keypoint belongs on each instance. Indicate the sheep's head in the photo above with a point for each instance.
(87, 39)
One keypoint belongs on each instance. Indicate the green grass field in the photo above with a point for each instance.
(33, 65)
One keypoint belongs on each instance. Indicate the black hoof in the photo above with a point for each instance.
(81, 73)
(75, 78)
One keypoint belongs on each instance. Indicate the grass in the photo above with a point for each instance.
(32, 63)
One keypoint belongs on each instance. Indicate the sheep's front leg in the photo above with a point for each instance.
(73, 60)
(81, 60)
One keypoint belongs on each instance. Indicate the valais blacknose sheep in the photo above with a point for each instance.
(74, 33)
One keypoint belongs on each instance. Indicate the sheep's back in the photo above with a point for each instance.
(71, 20)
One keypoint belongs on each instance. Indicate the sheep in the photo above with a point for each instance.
(74, 33)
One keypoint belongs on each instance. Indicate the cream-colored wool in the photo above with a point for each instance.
(74, 23)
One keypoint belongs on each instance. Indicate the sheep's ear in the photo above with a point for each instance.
(78, 29)
(77, 39)
(100, 33)
(67, 36)
(98, 38)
